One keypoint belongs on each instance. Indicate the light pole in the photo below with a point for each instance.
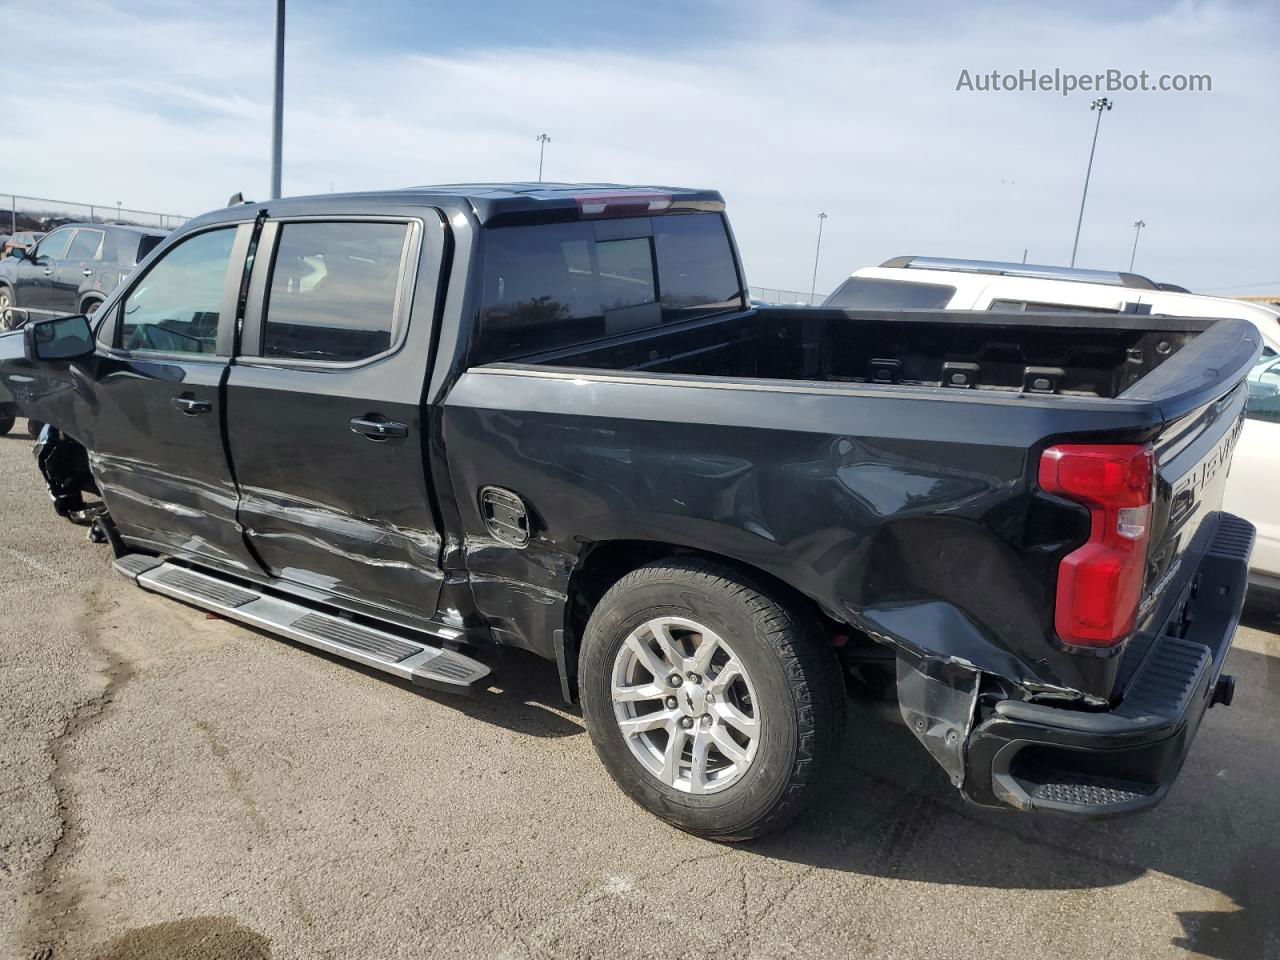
(1137, 229)
(277, 106)
(814, 286)
(543, 140)
(1100, 104)
(118, 217)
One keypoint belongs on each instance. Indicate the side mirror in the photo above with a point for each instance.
(58, 338)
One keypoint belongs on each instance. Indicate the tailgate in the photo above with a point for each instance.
(1193, 455)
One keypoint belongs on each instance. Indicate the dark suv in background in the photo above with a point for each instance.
(71, 270)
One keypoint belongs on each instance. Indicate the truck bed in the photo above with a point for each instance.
(1053, 353)
(812, 444)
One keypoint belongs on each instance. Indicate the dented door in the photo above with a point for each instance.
(149, 406)
(324, 418)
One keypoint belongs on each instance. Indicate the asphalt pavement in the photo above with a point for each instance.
(174, 786)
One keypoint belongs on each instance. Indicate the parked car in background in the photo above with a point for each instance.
(1251, 487)
(22, 240)
(940, 283)
(71, 269)
(935, 283)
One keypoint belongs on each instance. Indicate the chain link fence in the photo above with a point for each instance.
(19, 213)
(778, 295)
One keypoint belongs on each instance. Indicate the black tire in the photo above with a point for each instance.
(6, 424)
(33, 429)
(798, 695)
(89, 306)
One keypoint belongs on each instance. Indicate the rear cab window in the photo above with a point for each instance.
(546, 286)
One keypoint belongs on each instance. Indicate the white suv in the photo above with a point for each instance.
(935, 283)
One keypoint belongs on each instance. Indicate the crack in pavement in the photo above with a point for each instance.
(56, 897)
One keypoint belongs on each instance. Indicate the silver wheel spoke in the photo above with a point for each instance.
(671, 756)
(658, 720)
(728, 746)
(728, 673)
(661, 631)
(731, 715)
(648, 659)
(707, 648)
(698, 767)
(638, 692)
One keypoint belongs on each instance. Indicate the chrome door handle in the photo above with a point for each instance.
(191, 407)
(379, 429)
(86, 273)
(47, 271)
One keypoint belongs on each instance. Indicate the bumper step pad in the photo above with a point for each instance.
(1063, 791)
(420, 663)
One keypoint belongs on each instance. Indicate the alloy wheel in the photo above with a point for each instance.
(685, 705)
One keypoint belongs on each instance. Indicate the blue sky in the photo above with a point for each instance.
(789, 108)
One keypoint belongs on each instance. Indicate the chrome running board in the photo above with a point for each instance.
(420, 663)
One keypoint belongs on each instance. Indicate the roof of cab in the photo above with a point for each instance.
(492, 203)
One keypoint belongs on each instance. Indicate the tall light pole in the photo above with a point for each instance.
(814, 286)
(1137, 229)
(277, 109)
(1101, 104)
(543, 140)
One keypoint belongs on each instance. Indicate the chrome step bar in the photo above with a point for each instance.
(420, 663)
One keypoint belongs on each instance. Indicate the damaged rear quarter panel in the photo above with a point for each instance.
(916, 523)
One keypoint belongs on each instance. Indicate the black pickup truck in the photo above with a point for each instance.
(404, 426)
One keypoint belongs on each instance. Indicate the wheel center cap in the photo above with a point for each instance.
(693, 699)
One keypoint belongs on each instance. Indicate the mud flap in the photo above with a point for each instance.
(937, 700)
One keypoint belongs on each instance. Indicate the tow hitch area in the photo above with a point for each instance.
(1036, 756)
(1224, 691)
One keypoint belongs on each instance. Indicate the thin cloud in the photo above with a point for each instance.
(815, 110)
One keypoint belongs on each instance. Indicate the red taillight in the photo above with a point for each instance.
(1100, 584)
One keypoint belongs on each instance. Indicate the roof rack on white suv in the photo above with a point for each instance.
(938, 283)
(1001, 268)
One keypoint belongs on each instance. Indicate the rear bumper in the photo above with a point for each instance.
(1037, 757)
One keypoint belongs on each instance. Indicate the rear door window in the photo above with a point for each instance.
(873, 293)
(86, 246)
(334, 291)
